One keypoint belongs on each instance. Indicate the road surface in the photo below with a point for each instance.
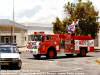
(61, 66)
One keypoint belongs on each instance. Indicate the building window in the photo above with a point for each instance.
(25, 38)
(96, 41)
(7, 39)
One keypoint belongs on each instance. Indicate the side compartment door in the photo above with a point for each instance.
(69, 46)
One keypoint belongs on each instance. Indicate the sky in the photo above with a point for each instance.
(35, 11)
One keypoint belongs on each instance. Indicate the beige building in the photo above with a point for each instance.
(6, 32)
(97, 41)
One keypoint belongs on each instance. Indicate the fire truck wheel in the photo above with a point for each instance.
(51, 54)
(36, 56)
(83, 53)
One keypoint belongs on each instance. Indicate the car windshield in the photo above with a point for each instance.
(5, 50)
(8, 50)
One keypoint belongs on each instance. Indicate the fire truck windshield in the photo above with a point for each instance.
(37, 38)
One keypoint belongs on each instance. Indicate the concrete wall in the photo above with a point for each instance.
(21, 38)
(99, 39)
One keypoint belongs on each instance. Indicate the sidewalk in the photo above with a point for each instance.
(97, 49)
(22, 49)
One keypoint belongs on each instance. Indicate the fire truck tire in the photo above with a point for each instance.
(83, 53)
(36, 56)
(51, 54)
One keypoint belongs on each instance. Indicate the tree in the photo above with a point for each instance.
(58, 26)
(86, 14)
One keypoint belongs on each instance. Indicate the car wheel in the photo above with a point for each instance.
(18, 65)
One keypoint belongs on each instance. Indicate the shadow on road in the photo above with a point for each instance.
(60, 57)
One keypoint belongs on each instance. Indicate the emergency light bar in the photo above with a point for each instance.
(37, 33)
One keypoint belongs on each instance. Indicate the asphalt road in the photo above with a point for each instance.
(61, 66)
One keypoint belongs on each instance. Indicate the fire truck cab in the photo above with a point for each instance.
(52, 45)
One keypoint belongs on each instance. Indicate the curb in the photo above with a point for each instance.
(24, 50)
(98, 61)
(97, 50)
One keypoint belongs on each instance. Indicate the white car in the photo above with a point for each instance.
(10, 56)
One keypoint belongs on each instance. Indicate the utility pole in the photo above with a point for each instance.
(13, 24)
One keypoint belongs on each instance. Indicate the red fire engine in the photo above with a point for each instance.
(53, 45)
